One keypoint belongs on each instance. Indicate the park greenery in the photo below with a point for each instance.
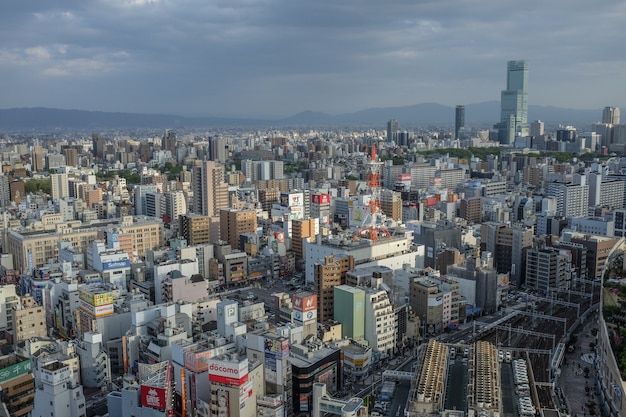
(34, 186)
(614, 311)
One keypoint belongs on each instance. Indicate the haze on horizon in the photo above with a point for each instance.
(279, 57)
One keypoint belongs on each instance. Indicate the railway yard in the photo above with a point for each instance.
(538, 331)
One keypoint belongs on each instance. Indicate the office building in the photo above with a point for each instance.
(17, 393)
(572, 199)
(210, 191)
(547, 268)
(328, 274)
(194, 228)
(58, 394)
(59, 186)
(29, 320)
(349, 310)
(537, 128)
(471, 209)
(234, 223)
(37, 162)
(391, 204)
(392, 130)
(514, 103)
(71, 157)
(611, 115)
(459, 120)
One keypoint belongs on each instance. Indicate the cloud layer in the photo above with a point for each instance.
(279, 57)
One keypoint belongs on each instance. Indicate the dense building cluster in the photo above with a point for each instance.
(244, 273)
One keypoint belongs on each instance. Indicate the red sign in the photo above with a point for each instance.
(153, 397)
(305, 303)
(320, 198)
(228, 373)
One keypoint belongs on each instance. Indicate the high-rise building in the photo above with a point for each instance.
(210, 191)
(611, 115)
(71, 157)
(392, 130)
(169, 141)
(60, 186)
(234, 223)
(37, 163)
(514, 103)
(29, 320)
(194, 228)
(329, 274)
(537, 128)
(459, 120)
(58, 394)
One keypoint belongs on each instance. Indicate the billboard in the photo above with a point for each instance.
(197, 361)
(320, 198)
(97, 299)
(97, 311)
(223, 408)
(245, 392)
(122, 263)
(153, 397)
(435, 301)
(278, 347)
(16, 370)
(228, 373)
(305, 303)
(292, 199)
(279, 236)
(309, 315)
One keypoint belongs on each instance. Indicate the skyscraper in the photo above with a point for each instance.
(392, 130)
(514, 103)
(611, 115)
(210, 191)
(459, 120)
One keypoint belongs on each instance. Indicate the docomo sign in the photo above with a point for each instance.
(153, 397)
(320, 198)
(228, 373)
(305, 303)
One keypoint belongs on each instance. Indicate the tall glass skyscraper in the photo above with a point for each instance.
(459, 120)
(514, 103)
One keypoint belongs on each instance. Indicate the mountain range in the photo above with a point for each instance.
(424, 114)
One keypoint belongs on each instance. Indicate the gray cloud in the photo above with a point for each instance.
(278, 57)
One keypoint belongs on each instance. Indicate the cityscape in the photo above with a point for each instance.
(455, 271)
(358, 209)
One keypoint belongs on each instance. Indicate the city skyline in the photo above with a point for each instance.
(273, 58)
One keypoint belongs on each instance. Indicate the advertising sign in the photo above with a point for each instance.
(292, 199)
(123, 263)
(245, 392)
(320, 198)
(228, 373)
(305, 303)
(197, 361)
(223, 406)
(16, 370)
(153, 397)
(433, 302)
(97, 299)
(279, 347)
(302, 317)
(279, 236)
(99, 311)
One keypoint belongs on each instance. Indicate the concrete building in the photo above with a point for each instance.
(349, 309)
(58, 394)
(391, 204)
(572, 199)
(548, 268)
(17, 393)
(95, 368)
(8, 301)
(210, 191)
(59, 186)
(598, 249)
(234, 223)
(426, 300)
(392, 252)
(29, 320)
(328, 274)
(194, 228)
(471, 209)
(600, 226)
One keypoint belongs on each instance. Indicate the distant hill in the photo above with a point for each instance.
(40, 117)
(424, 114)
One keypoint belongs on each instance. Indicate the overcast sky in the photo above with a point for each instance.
(280, 57)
